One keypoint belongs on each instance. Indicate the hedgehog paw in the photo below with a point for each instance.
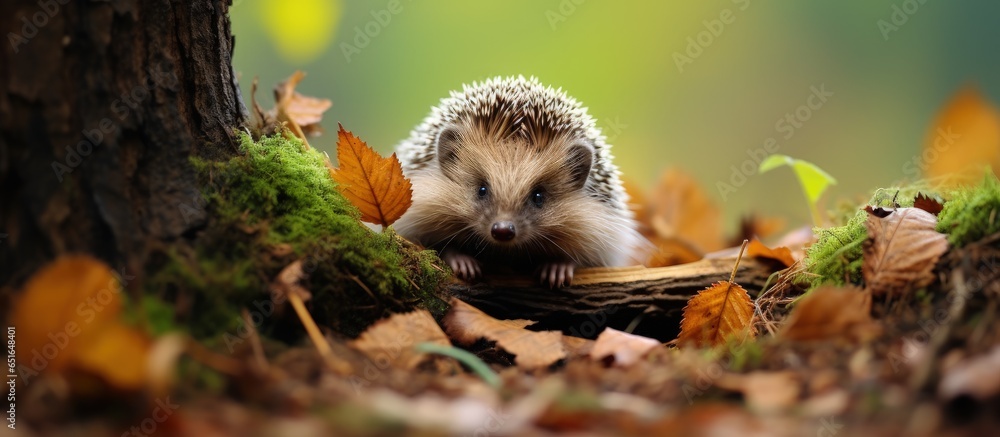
(557, 274)
(464, 266)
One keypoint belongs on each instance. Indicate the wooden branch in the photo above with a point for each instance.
(609, 296)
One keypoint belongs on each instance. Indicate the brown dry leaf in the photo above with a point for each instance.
(67, 317)
(965, 139)
(765, 392)
(375, 185)
(781, 254)
(828, 313)
(976, 377)
(715, 314)
(302, 113)
(901, 250)
(626, 348)
(927, 203)
(391, 340)
(466, 324)
(684, 221)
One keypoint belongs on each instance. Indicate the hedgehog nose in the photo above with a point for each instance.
(503, 231)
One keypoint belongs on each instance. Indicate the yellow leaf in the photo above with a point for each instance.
(119, 355)
(716, 314)
(375, 185)
(964, 141)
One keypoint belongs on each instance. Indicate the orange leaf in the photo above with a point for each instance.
(965, 139)
(67, 319)
(831, 313)
(715, 314)
(901, 250)
(375, 185)
(685, 222)
(781, 254)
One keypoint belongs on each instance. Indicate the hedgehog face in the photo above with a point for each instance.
(514, 189)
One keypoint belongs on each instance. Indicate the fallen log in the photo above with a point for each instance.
(609, 297)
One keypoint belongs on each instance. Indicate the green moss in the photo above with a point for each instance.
(971, 213)
(273, 204)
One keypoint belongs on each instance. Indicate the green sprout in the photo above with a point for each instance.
(814, 180)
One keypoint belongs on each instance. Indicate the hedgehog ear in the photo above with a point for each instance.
(446, 146)
(579, 160)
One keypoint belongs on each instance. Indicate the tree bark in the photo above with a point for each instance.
(102, 106)
(610, 297)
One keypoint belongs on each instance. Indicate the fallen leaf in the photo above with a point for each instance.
(764, 392)
(829, 313)
(964, 139)
(391, 340)
(67, 319)
(466, 324)
(715, 314)
(976, 377)
(375, 185)
(927, 203)
(302, 113)
(626, 348)
(901, 250)
(781, 254)
(685, 222)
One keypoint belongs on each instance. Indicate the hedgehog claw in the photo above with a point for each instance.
(557, 274)
(464, 266)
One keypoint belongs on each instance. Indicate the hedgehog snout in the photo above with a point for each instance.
(503, 231)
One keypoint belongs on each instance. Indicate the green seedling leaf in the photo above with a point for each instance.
(814, 180)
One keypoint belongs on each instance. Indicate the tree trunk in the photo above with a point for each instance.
(102, 106)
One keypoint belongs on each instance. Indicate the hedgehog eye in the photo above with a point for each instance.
(482, 191)
(538, 197)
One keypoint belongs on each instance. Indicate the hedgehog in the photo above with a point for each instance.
(511, 172)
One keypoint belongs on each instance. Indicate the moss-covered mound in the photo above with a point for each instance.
(273, 204)
(970, 213)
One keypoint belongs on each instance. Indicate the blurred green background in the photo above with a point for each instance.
(691, 84)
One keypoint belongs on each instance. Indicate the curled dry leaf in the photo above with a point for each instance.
(829, 313)
(375, 185)
(901, 250)
(466, 324)
(715, 314)
(626, 348)
(392, 340)
(782, 255)
(302, 113)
